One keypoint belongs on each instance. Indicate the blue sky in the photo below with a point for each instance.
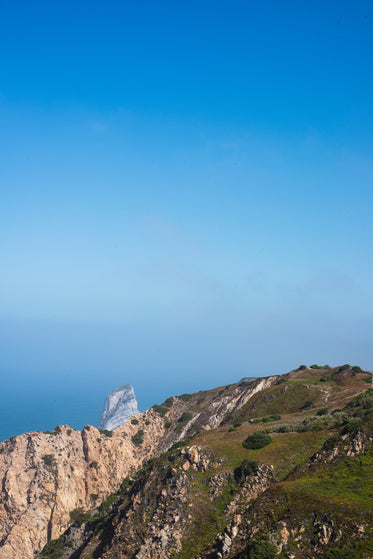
(186, 195)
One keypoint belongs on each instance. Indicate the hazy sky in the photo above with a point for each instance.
(186, 193)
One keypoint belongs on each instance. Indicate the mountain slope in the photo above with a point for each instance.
(46, 476)
(307, 493)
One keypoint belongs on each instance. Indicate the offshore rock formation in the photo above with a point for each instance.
(120, 405)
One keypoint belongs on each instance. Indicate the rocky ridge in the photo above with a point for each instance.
(202, 500)
(45, 476)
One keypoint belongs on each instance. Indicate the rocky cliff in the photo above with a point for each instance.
(46, 476)
(202, 494)
(120, 405)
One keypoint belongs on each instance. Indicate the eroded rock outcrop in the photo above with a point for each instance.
(120, 405)
(45, 476)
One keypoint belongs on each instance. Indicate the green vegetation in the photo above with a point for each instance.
(322, 411)
(94, 464)
(49, 460)
(161, 410)
(245, 470)
(134, 421)
(257, 440)
(185, 417)
(168, 424)
(138, 438)
(77, 515)
(279, 399)
(165, 407)
(307, 404)
(364, 400)
(271, 418)
(106, 432)
(169, 402)
(347, 482)
(54, 549)
(261, 549)
(185, 397)
(181, 444)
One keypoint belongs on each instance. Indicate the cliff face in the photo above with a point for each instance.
(45, 476)
(120, 405)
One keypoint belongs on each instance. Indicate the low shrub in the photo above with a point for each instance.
(307, 404)
(261, 549)
(181, 444)
(280, 381)
(49, 459)
(185, 417)
(331, 442)
(77, 515)
(246, 469)
(257, 440)
(302, 367)
(363, 400)
(322, 411)
(185, 397)
(168, 425)
(53, 549)
(161, 410)
(352, 427)
(169, 402)
(134, 421)
(106, 432)
(138, 438)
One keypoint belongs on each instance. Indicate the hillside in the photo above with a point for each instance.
(199, 492)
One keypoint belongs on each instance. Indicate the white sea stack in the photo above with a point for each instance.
(119, 406)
